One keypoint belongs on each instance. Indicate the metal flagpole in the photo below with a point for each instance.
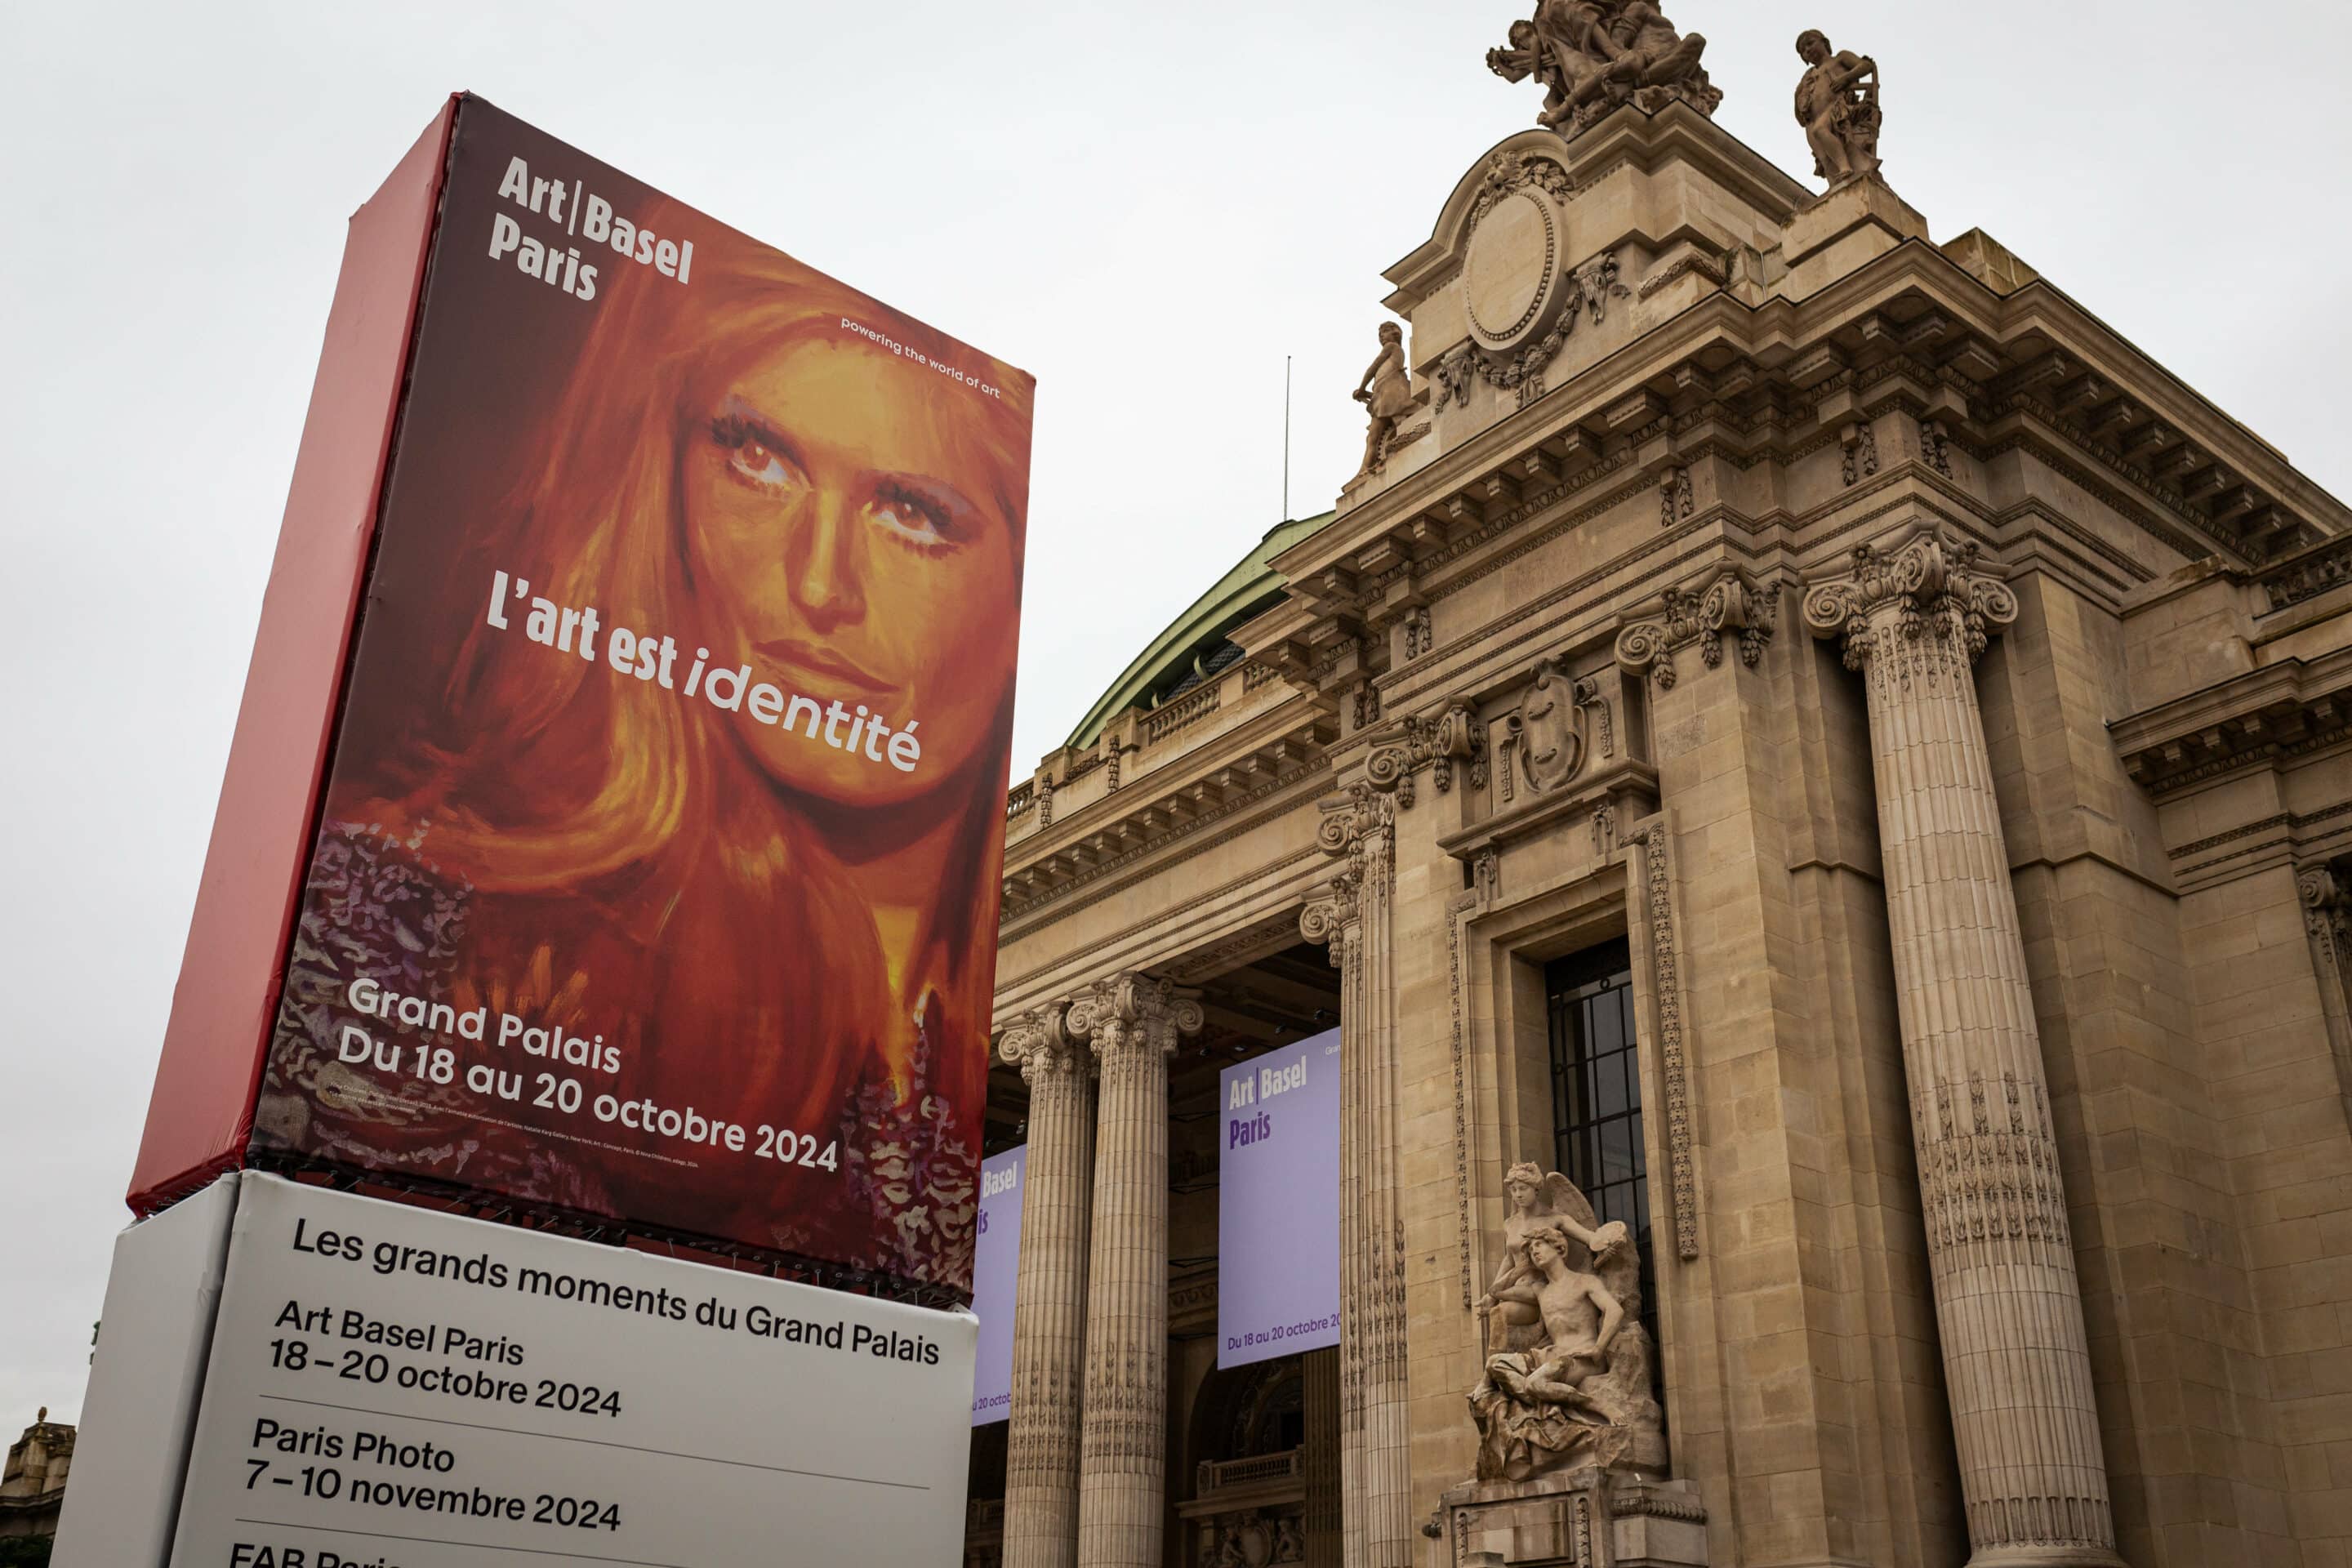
(1286, 437)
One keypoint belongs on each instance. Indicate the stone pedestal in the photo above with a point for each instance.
(1584, 1519)
(1041, 1469)
(2008, 1306)
(1133, 1022)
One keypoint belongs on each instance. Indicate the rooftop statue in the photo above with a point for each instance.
(1837, 103)
(1593, 54)
(1386, 392)
(1567, 1382)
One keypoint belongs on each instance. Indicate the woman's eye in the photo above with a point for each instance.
(752, 456)
(905, 519)
(756, 465)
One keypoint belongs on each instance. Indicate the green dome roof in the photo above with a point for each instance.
(1193, 637)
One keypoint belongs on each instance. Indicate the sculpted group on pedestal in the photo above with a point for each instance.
(1593, 54)
(1567, 1382)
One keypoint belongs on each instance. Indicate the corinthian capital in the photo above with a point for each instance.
(1136, 1011)
(1928, 586)
(1726, 604)
(2327, 894)
(1039, 1042)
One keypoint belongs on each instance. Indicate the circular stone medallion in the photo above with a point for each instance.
(1509, 282)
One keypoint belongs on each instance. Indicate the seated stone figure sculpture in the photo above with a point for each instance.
(1572, 1388)
(1593, 55)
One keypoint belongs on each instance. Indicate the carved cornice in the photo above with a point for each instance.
(1732, 603)
(1138, 1012)
(2275, 715)
(1928, 586)
(1150, 815)
(1626, 787)
(2309, 575)
(1039, 1042)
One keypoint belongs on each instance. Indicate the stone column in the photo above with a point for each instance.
(1132, 1021)
(1041, 1466)
(1375, 1460)
(2008, 1306)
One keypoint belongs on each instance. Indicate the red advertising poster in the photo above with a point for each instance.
(655, 874)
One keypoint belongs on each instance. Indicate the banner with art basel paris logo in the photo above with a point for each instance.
(1278, 1203)
(996, 1269)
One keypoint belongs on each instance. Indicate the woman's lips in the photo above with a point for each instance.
(819, 661)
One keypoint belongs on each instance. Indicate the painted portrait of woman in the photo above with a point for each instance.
(774, 927)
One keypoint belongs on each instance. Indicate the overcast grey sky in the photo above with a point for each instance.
(1147, 206)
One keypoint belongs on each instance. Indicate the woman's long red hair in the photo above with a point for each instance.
(622, 849)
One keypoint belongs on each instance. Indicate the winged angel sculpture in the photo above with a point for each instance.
(1567, 1382)
(1593, 54)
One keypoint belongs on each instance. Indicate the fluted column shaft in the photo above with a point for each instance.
(1375, 1452)
(1041, 1445)
(1132, 1022)
(2009, 1307)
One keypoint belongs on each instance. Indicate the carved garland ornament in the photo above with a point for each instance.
(1590, 288)
(1731, 603)
(1673, 1068)
(1508, 171)
(1463, 906)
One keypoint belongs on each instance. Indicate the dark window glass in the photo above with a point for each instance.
(1596, 1094)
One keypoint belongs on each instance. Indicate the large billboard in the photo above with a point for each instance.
(651, 780)
(1278, 1203)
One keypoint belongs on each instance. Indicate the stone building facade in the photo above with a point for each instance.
(1924, 720)
(33, 1491)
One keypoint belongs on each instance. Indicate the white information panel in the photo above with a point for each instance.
(145, 1377)
(395, 1388)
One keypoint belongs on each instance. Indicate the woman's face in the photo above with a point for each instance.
(1523, 1192)
(846, 541)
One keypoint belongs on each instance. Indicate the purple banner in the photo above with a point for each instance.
(996, 1267)
(1277, 1205)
